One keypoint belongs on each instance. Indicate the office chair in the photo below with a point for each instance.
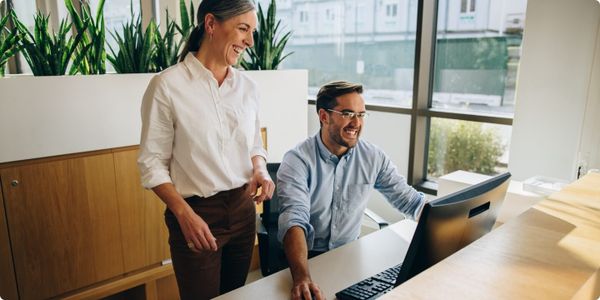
(270, 250)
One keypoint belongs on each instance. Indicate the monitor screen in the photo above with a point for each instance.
(449, 223)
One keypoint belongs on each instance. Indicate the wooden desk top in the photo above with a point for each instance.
(338, 268)
(551, 251)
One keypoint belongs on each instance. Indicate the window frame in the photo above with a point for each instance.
(421, 111)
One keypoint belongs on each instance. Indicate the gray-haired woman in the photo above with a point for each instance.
(201, 152)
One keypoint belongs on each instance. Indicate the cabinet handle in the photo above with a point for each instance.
(14, 183)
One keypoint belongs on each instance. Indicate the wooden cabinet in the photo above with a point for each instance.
(77, 223)
(8, 284)
(63, 224)
(143, 232)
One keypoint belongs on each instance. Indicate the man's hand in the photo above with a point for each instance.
(306, 289)
(261, 185)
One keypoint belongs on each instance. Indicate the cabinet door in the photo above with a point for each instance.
(8, 284)
(144, 233)
(63, 221)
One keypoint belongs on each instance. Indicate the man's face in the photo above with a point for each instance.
(341, 131)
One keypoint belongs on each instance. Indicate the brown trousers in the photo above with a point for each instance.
(231, 217)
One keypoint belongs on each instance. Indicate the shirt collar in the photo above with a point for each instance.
(197, 69)
(326, 154)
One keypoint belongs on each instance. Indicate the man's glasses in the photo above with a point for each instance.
(350, 114)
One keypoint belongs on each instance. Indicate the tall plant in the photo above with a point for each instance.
(9, 39)
(48, 53)
(267, 52)
(92, 40)
(167, 46)
(136, 48)
(188, 19)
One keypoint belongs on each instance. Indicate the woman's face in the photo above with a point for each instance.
(231, 37)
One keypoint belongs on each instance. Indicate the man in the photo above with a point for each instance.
(324, 184)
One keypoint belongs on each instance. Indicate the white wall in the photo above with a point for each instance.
(589, 151)
(282, 108)
(389, 131)
(54, 115)
(553, 86)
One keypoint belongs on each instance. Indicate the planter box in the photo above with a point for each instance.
(55, 115)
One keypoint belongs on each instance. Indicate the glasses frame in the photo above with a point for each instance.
(349, 115)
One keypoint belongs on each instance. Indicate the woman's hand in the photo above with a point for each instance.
(196, 232)
(261, 185)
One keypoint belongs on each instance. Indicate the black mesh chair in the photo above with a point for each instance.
(270, 250)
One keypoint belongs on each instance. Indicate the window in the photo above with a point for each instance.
(358, 47)
(473, 96)
(467, 6)
(391, 10)
(468, 146)
(303, 17)
(25, 10)
(116, 14)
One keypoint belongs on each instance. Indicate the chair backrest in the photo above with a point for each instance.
(272, 256)
(270, 212)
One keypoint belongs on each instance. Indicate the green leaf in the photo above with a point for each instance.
(267, 52)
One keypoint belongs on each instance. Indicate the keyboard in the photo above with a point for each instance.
(372, 287)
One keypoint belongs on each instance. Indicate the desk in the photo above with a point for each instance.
(338, 268)
(551, 251)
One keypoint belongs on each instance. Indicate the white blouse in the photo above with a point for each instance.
(197, 135)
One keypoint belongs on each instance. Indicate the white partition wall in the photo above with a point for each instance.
(556, 83)
(48, 116)
(282, 108)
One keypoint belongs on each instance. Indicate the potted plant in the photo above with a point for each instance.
(93, 38)
(136, 48)
(267, 52)
(9, 39)
(48, 53)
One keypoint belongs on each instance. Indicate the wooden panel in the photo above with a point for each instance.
(166, 288)
(144, 233)
(8, 284)
(64, 225)
(135, 281)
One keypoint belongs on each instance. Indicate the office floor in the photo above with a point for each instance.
(253, 276)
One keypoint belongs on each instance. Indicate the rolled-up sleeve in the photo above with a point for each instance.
(257, 148)
(156, 142)
(397, 191)
(294, 199)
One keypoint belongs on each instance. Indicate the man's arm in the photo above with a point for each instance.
(296, 251)
(394, 187)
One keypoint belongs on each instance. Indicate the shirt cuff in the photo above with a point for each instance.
(284, 226)
(156, 178)
(258, 151)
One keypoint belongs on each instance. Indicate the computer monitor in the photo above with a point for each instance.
(449, 223)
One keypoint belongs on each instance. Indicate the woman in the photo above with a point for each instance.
(201, 152)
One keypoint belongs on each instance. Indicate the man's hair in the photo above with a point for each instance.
(326, 98)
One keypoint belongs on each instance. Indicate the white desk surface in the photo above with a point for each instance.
(339, 268)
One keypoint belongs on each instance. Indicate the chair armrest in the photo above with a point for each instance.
(376, 218)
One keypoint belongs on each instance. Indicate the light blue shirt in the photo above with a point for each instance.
(326, 195)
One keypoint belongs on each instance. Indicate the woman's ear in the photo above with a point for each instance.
(209, 23)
